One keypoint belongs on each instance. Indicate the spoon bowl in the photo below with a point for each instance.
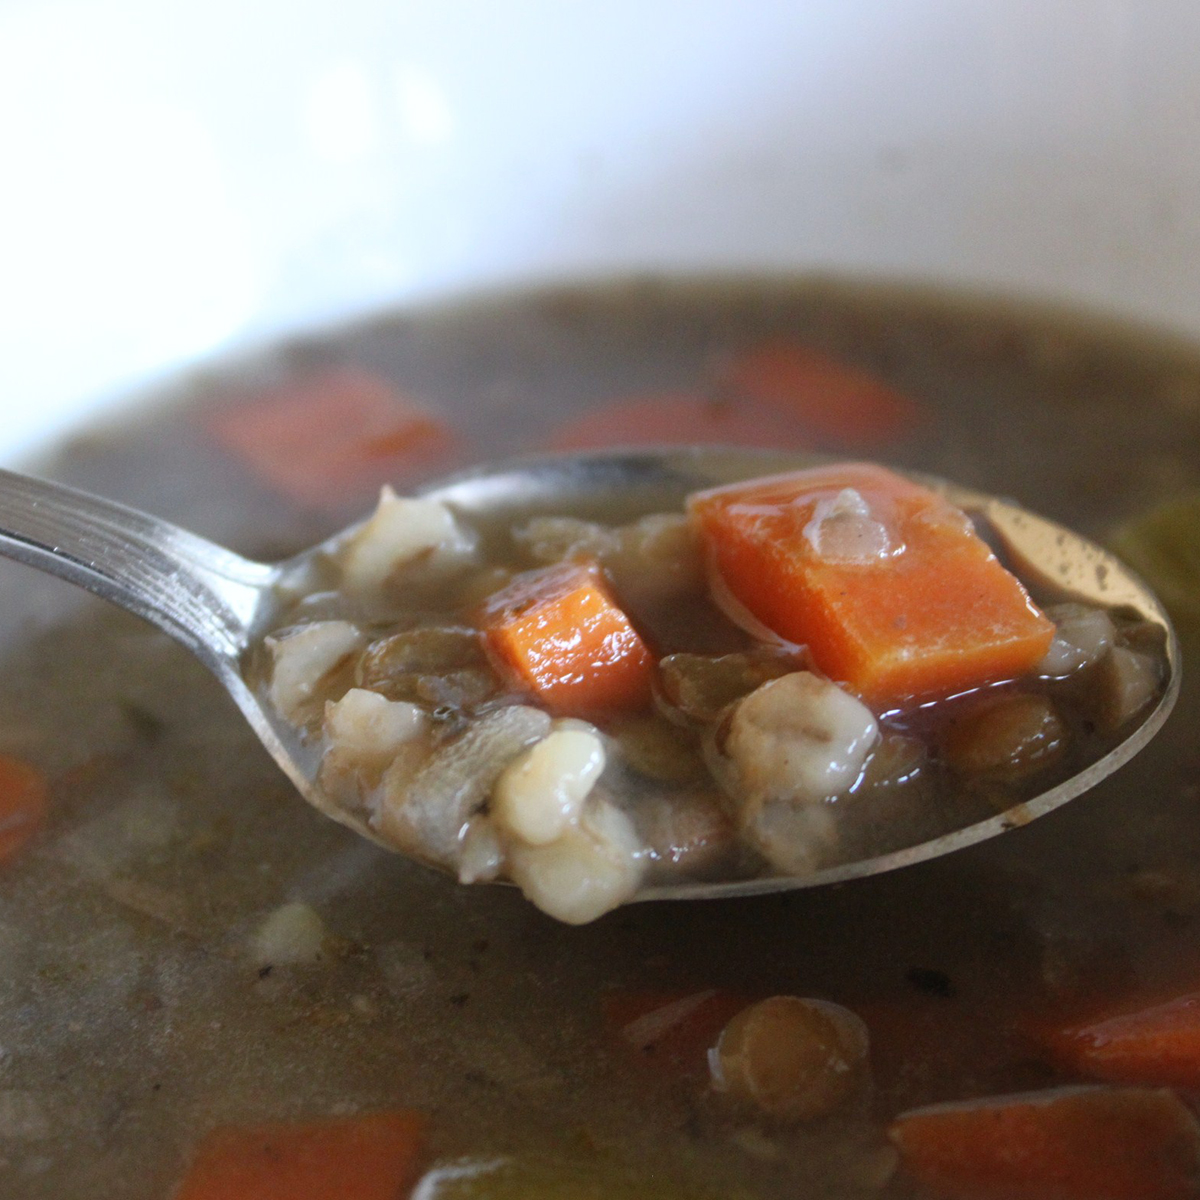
(219, 605)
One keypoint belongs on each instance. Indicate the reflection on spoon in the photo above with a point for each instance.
(595, 780)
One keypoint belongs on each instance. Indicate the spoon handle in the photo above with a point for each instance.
(199, 592)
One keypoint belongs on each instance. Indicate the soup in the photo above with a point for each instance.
(803, 672)
(188, 947)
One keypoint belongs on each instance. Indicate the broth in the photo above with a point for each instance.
(142, 998)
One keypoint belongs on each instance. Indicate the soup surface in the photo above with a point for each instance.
(185, 945)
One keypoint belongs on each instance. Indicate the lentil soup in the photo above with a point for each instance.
(188, 948)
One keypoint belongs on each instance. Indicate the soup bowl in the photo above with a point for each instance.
(184, 191)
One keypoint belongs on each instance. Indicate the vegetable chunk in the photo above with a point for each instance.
(672, 418)
(1157, 1044)
(562, 636)
(1163, 545)
(883, 580)
(23, 803)
(1067, 1144)
(331, 436)
(372, 1157)
(836, 402)
(672, 1031)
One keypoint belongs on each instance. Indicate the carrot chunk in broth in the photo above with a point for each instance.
(672, 1031)
(1153, 1044)
(332, 437)
(885, 581)
(560, 635)
(833, 401)
(23, 801)
(676, 418)
(1066, 1144)
(371, 1157)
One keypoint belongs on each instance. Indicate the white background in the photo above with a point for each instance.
(178, 177)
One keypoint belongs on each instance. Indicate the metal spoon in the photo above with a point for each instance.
(219, 604)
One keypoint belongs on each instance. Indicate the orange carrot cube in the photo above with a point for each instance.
(672, 1032)
(1067, 1144)
(834, 402)
(885, 581)
(331, 437)
(675, 418)
(560, 635)
(23, 803)
(1149, 1043)
(370, 1157)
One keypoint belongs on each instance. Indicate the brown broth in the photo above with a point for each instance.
(132, 1019)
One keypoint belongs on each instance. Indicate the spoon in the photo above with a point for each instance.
(219, 605)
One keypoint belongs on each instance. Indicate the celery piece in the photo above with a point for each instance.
(1163, 546)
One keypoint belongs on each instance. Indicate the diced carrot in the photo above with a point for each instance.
(835, 402)
(23, 803)
(332, 437)
(884, 580)
(672, 1030)
(561, 635)
(369, 1157)
(1067, 1144)
(1155, 1044)
(678, 418)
